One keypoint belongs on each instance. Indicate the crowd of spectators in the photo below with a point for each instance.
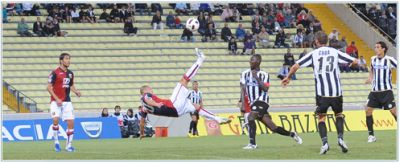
(381, 14)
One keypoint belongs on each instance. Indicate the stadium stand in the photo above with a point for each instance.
(110, 67)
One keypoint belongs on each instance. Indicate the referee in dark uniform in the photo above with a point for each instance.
(381, 95)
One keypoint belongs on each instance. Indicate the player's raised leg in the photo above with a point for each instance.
(195, 67)
(267, 121)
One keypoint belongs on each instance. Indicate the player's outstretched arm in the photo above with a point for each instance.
(292, 71)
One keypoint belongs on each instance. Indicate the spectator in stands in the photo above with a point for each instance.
(170, 20)
(280, 39)
(352, 48)
(187, 35)
(131, 12)
(249, 47)
(289, 62)
(302, 54)
(298, 40)
(23, 29)
(57, 28)
(263, 38)
(27, 9)
(392, 26)
(302, 18)
(38, 28)
(157, 21)
(117, 114)
(202, 23)
(156, 7)
(205, 7)
(342, 44)
(334, 34)
(310, 16)
(210, 34)
(240, 33)
(334, 43)
(67, 14)
(268, 25)
(178, 23)
(181, 8)
(290, 19)
(84, 16)
(226, 33)
(232, 46)
(104, 113)
(105, 17)
(195, 8)
(75, 15)
(211, 21)
(256, 29)
(5, 15)
(142, 7)
(227, 14)
(383, 21)
(363, 64)
(91, 14)
(123, 14)
(49, 27)
(317, 26)
(249, 36)
(280, 18)
(283, 71)
(391, 14)
(114, 14)
(373, 14)
(308, 38)
(128, 27)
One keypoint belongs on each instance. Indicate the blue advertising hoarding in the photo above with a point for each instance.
(41, 129)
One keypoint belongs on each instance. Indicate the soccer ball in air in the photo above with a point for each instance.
(192, 24)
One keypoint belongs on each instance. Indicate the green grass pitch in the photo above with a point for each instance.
(271, 147)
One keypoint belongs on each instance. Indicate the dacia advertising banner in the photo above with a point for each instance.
(301, 122)
(36, 130)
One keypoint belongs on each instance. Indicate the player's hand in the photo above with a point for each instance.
(368, 81)
(285, 82)
(78, 93)
(59, 102)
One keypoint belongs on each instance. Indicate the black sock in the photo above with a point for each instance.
(252, 132)
(191, 127)
(195, 132)
(322, 132)
(370, 125)
(282, 131)
(339, 127)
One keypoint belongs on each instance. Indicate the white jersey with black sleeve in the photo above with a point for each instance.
(382, 70)
(253, 91)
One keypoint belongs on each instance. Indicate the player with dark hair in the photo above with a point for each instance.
(325, 62)
(197, 98)
(60, 83)
(381, 95)
(255, 84)
(178, 104)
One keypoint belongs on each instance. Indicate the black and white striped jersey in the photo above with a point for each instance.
(325, 62)
(195, 97)
(253, 91)
(382, 72)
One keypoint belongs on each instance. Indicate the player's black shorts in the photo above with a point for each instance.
(384, 99)
(323, 103)
(195, 113)
(261, 107)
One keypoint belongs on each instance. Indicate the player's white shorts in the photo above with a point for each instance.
(65, 111)
(246, 117)
(180, 101)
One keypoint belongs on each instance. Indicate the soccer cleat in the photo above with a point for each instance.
(222, 120)
(57, 147)
(297, 138)
(200, 54)
(250, 146)
(70, 149)
(371, 139)
(343, 145)
(324, 149)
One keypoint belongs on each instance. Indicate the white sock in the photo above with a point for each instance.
(207, 114)
(70, 137)
(193, 70)
(55, 134)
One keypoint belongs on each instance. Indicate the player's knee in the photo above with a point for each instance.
(55, 127)
(251, 117)
(339, 115)
(368, 111)
(321, 117)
